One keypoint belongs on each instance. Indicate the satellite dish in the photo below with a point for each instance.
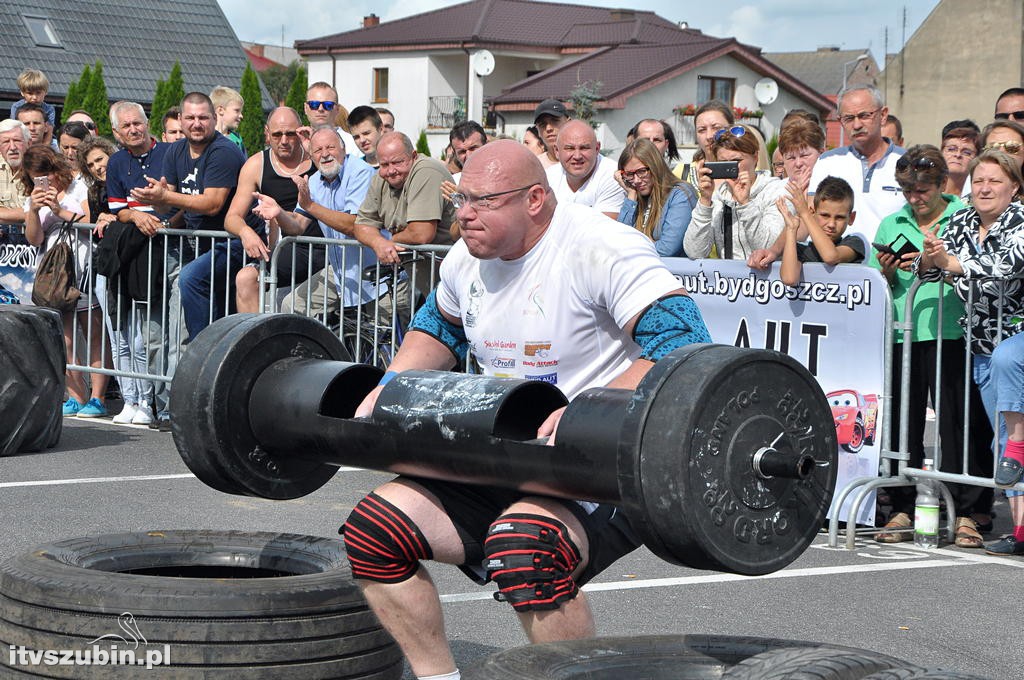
(483, 63)
(766, 91)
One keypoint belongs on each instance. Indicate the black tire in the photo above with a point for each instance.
(32, 364)
(813, 664)
(654, 657)
(226, 605)
(907, 674)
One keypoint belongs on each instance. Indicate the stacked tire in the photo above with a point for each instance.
(697, 657)
(32, 363)
(198, 604)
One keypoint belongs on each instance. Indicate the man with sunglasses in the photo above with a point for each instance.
(509, 294)
(321, 107)
(1010, 105)
(270, 172)
(868, 163)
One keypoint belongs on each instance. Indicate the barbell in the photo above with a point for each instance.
(722, 458)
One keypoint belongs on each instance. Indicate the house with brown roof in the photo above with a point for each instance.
(429, 71)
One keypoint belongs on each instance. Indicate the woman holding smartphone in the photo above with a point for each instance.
(656, 202)
(921, 174)
(56, 197)
(740, 215)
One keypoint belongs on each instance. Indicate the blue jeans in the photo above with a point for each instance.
(206, 281)
(1000, 378)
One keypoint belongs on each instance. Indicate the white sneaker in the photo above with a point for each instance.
(143, 415)
(126, 415)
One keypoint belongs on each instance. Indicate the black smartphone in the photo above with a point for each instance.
(723, 169)
(899, 247)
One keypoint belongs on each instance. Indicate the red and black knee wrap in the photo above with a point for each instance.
(382, 543)
(531, 558)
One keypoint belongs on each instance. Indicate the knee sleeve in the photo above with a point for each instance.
(382, 543)
(531, 559)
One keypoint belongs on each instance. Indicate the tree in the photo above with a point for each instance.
(95, 100)
(422, 147)
(169, 93)
(583, 97)
(75, 98)
(297, 93)
(251, 127)
(278, 80)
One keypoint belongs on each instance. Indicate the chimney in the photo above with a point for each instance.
(257, 49)
(371, 21)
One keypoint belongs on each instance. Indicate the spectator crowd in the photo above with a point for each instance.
(946, 214)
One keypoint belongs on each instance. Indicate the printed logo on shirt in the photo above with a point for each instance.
(503, 362)
(545, 377)
(476, 291)
(499, 344)
(537, 349)
(537, 300)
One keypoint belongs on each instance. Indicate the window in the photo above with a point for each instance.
(41, 31)
(709, 87)
(380, 85)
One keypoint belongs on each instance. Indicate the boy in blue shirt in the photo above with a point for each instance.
(33, 86)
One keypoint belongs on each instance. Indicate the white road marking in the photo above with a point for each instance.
(100, 480)
(725, 578)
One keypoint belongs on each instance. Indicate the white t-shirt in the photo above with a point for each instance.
(556, 314)
(876, 195)
(600, 191)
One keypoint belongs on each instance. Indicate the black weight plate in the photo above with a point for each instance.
(191, 376)
(212, 429)
(685, 458)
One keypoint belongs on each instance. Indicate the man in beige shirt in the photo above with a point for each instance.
(14, 138)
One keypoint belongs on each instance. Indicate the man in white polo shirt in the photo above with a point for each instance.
(583, 176)
(868, 164)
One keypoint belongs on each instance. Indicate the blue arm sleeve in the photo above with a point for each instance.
(672, 322)
(674, 220)
(429, 320)
(627, 213)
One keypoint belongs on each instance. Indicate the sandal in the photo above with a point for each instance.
(967, 535)
(900, 520)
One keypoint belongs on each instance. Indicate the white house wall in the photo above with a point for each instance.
(658, 102)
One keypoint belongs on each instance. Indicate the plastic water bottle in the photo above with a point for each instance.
(926, 513)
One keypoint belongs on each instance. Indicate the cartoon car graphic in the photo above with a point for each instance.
(856, 418)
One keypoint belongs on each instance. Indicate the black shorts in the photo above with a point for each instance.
(472, 509)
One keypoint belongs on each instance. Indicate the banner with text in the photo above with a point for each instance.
(833, 323)
(17, 264)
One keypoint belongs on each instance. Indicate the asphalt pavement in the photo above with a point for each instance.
(951, 608)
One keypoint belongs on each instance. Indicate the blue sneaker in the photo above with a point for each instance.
(93, 408)
(72, 406)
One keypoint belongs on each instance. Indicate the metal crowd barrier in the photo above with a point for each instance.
(371, 329)
(904, 474)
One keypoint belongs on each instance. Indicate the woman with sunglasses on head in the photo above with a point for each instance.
(740, 215)
(921, 174)
(982, 253)
(657, 204)
(1006, 136)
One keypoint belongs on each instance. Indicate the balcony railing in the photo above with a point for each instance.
(446, 111)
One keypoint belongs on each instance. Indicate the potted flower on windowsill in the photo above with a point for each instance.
(685, 110)
(741, 112)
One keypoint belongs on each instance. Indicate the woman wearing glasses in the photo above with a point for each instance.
(740, 215)
(921, 174)
(959, 147)
(982, 252)
(656, 202)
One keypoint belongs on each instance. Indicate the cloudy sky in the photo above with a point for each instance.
(774, 25)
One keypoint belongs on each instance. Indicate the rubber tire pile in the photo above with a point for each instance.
(227, 604)
(697, 657)
(32, 366)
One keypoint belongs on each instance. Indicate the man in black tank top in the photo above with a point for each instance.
(270, 172)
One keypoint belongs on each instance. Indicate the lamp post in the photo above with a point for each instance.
(842, 130)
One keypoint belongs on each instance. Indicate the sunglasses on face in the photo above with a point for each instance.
(315, 104)
(735, 131)
(921, 163)
(1016, 115)
(1011, 148)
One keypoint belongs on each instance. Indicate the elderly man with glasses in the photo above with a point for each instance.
(868, 163)
(509, 294)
